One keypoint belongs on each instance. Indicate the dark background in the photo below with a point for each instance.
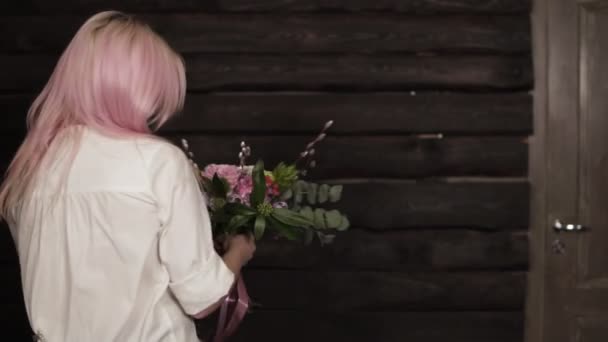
(439, 248)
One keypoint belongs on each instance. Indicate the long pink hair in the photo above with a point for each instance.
(116, 76)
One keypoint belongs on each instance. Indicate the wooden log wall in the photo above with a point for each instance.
(439, 248)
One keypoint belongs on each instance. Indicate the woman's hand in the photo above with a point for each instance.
(243, 245)
(239, 250)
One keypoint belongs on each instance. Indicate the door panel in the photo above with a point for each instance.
(590, 328)
(561, 173)
(576, 281)
(593, 247)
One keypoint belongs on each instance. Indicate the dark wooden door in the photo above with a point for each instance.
(576, 290)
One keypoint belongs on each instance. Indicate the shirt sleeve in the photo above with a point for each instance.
(198, 275)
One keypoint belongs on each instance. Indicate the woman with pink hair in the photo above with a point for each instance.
(112, 232)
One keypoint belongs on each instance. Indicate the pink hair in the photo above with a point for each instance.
(116, 76)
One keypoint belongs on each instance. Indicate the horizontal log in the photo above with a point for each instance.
(400, 251)
(376, 156)
(385, 113)
(14, 321)
(343, 72)
(395, 204)
(378, 291)
(190, 33)
(370, 113)
(417, 6)
(35, 72)
(386, 327)
(365, 250)
(16, 108)
(341, 157)
(348, 291)
(9, 143)
(8, 254)
(405, 251)
(11, 292)
(383, 205)
(359, 249)
(358, 72)
(13, 316)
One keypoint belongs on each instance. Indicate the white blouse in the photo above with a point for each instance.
(123, 251)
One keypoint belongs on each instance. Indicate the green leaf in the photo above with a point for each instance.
(217, 203)
(258, 194)
(207, 186)
(344, 225)
(291, 218)
(299, 189)
(326, 238)
(237, 222)
(335, 193)
(259, 227)
(323, 193)
(239, 209)
(220, 186)
(285, 175)
(333, 219)
(287, 195)
(319, 218)
(307, 212)
(286, 231)
(311, 194)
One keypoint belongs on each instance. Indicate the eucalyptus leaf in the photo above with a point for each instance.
(299, 190)
(287, 195)
(323, 195)
(258, 194)
(319, 218)
(311, 194)
(344, 225)
(307, 212)
(259, 227)
(333, 219)
(291, 218)
(335, 193)
(326, 238)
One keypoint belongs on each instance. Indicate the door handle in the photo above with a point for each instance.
(559, 226)
(558, 246)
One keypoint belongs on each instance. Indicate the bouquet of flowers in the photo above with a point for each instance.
(250, 199)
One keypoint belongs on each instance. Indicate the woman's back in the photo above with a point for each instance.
(113, 234)
(93, 261)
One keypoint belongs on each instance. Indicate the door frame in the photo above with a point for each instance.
(537, 161)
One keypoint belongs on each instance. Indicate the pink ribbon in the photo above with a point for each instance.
(235, 305)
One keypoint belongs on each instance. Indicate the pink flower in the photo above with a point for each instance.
(231, 173)
(243, 189)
